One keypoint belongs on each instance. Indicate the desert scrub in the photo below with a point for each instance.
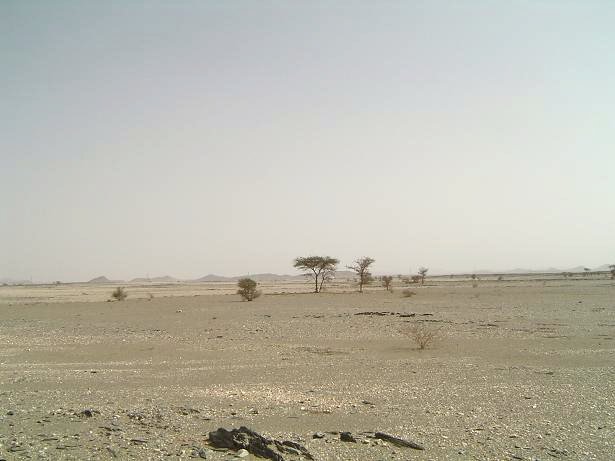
(421, 334)
(119, 293)
(407, 293)
(247, 289)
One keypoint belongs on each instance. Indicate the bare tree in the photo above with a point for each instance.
(361, 267)
(320, 268)
(421, 334)
(423, 273)
(247, 289)
(386, 281)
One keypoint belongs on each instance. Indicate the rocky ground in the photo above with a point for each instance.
(522, 370)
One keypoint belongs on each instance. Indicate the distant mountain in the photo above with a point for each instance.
(165, 279)
(267, 277)
(8, 281)
(214, 278)
(345, 274)
(102, 279)
(550, 270)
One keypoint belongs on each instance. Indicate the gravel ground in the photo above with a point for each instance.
(517, 370)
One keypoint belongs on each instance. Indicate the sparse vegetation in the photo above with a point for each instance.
(320, 268)
(422, 334)
(361, 267)
(119, 294)
(423, 273)
(408, 293)
(386, 281)
(612, 269)
(247, 289)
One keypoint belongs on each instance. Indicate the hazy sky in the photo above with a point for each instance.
(195, 137)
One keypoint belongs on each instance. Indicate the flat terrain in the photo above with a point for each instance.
(518, 370)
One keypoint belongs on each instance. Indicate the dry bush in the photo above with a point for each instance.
(120, 294)
(386, 281)
(247, 289)
(423, 335)
(408, 293)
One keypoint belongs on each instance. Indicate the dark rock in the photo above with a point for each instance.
(88, 413)
(397, 441)
(347, 437)
(287, 446)
(318, 435)
(10, 413)
(243, 437)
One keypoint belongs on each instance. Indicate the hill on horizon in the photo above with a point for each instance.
(163, 279)
(103, 279)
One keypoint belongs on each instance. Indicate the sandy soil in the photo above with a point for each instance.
(519, 370)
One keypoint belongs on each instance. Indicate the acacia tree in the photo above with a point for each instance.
(247, 289)
(386, 281)
(320, 268)
(361, 267)
(423, 273)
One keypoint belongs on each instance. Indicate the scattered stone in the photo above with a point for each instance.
(347, 437)
(294, 448)
(204, 454)
(138, 441)
(242, 453)
(252, 442)
(185, 411)
(88, 413)
(243, 437)
(318, 435)
(397, 441)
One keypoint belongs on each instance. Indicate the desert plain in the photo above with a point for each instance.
(521, 368)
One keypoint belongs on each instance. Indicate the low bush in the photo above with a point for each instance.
(119, 294)
(247, 289)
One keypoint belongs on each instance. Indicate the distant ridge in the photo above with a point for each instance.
(7, 281)
(103, 279)
(213, 278)
(267, 277)
(550, 270)
(164, 279)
